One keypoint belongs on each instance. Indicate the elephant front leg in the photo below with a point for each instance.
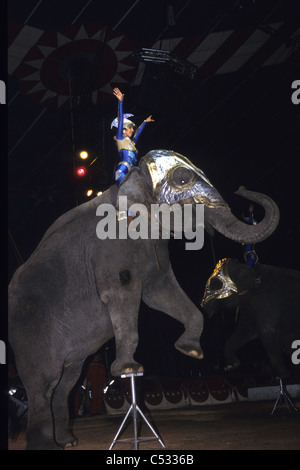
(165, 294)
(123, 308)
(243, 333)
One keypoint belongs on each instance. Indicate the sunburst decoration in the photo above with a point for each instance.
(58, 62)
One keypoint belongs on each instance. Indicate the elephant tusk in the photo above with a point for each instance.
(242, 292)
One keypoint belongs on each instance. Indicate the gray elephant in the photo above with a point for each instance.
(79, 289)
(268, 298)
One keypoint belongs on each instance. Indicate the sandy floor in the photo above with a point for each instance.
(236, 426)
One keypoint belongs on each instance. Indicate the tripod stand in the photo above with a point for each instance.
(134, 409)
(283, 395)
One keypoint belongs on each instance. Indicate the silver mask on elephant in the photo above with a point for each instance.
(227, 286)
(175, 179)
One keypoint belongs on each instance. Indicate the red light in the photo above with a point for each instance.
(81, 171)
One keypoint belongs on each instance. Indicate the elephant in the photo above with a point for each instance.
(80, 288)
(268, 298)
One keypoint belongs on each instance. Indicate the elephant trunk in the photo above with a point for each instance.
(222, 219)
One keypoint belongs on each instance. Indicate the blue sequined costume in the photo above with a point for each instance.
(249, 252)
(126, 147)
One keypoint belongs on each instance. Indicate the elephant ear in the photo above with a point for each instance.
(137, 188)
(241, 274)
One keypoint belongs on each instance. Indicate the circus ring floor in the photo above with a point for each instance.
(234, 426)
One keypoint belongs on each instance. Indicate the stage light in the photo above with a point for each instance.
(157, 56)
(89, 192)
(99, 193)
(152, 55)
(83, 154)
(81, 171)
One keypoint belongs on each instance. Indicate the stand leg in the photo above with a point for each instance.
(283, 395)
(120, 428)
(276, 403)
(134, 409)
(290, 403)
(147, 422)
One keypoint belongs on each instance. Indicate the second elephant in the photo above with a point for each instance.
(268, 298)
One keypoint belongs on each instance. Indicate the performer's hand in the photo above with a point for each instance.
(149, 119)
(118, 94)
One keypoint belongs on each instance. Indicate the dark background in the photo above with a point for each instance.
(234, 119)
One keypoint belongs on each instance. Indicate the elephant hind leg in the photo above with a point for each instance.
(40, 434)
(272, 347)
(40, 387)
(63, 435)
(243, 333)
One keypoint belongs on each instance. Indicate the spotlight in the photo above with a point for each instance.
(89, 192)
(83, 154)
(81, 171)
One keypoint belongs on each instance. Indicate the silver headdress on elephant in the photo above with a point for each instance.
(175, 179)
(219, 284)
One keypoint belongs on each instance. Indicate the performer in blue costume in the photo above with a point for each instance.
(249, 252)
(126, 138)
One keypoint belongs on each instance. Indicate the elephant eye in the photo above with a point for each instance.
(181, 177)
(216, 284)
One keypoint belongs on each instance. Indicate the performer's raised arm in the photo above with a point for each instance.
(126, 138)
(118, 94)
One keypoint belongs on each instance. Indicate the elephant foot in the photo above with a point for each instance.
(117, 369)
(189, 349)
(65, 439)
(70, 444)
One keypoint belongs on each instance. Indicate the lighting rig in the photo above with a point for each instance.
(158, 56)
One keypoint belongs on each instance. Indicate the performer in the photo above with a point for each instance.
(249, 252)
(126, 138)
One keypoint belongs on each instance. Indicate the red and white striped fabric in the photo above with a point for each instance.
(40, 59)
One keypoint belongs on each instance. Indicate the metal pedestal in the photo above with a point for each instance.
(283, 396)
(134, 409)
